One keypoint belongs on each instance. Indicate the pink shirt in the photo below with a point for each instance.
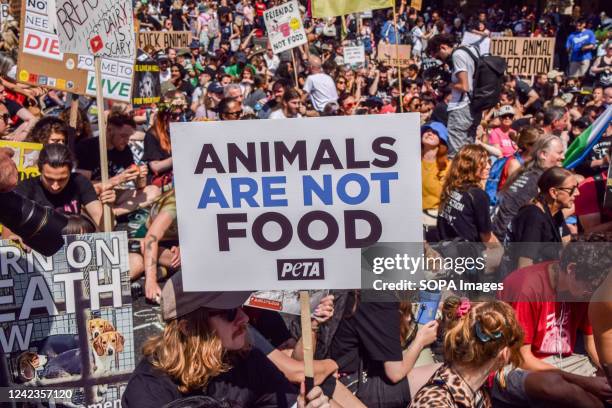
(501, 138)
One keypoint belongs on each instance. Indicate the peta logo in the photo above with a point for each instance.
(300, 269)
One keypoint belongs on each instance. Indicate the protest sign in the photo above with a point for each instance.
(284, 26)
(481, 42)
(160, 40)
(116, 77)
(25, 156)
(41, 63)
(67, 319)
(290, 207)
(525, 56)
(284, 301)
(354, 55)
(4, 12)
(388, 54)
(104, 28)
(417, 4)
(147, 85)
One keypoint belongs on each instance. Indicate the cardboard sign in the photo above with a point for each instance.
(160, 40)
(41, 62)
(102, 28)
(59, 311)
(354, 55)
(483, 43)
(525, 56)
(284, 301)
(147, 85)
(416, 4)
(390, 54)
(290, 207)
(284, 26)
(25, 156)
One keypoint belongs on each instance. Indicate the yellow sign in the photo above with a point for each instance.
(25, 157)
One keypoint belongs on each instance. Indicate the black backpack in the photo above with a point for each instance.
(488, 79)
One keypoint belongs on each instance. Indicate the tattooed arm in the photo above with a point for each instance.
(156, 231)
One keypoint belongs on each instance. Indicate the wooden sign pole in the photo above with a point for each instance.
(307, 340)
(295, 73)
(74, 110)
(102, 139)
(399, 69)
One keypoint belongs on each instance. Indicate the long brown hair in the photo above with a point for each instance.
(191, 355)
(161, 124)
(464, 171)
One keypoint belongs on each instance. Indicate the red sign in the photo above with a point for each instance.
(96, 44)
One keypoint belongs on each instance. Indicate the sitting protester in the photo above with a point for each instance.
(549, 302)
(464, 205)
(434, 166)
(522, 187)
(204, 350)
(48, 130)
(124, 175)
(481, 339)
(158, 254)
(369, 349)
(58, 188)
(543, 220)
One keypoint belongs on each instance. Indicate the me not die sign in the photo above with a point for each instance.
(96, 27)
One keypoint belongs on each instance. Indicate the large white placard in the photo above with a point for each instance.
(288, 204)
(96, 27)
(284, 26)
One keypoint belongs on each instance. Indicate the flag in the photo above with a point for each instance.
(582, 146)
(333, 8)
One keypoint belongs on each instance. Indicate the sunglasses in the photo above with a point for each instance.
(237, 113)
(507, 116)
(5, 117)
(569, 190)
(228, 315)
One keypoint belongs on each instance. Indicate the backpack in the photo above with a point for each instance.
(497, 168)
(487, 81)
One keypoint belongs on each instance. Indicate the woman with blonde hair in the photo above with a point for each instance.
(205, 350)
(480, 339)
(464, 205)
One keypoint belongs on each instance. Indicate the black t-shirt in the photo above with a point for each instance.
(465, 215)
(600, 150)
(13, 107)
(253, 381)
(152, 149)
(88, 157)
(533, 225)
(371, 334)
(78, 192)
(270, 324)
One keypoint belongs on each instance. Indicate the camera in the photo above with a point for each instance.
(39, 227)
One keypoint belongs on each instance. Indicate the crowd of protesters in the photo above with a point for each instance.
(491, 176)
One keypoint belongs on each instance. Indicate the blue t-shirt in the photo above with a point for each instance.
(576, 41)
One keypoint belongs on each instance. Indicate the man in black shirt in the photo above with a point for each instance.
(122, 170)
(58, 188)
